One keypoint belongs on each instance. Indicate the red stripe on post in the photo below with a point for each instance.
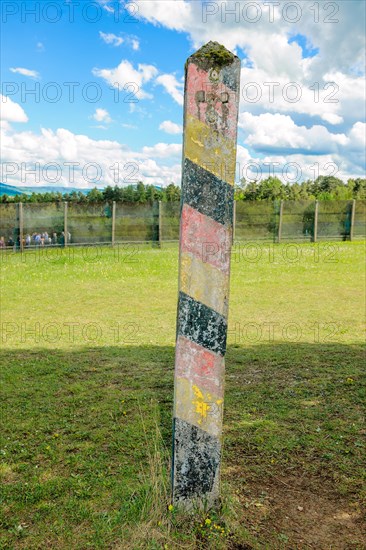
(201, 366)
(205, 239)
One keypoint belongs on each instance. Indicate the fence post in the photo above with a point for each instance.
(234, 219)
(353, 213)
(280, 222)
(113, 223)
(21, 225)
(160, 225)
(65, 224)
(315, 238)
(212, 85)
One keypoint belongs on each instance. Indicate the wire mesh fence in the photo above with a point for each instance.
(359, 226)
(43, 223)
(70, 224)
(136, 222)
(255, 221)
(170, 216)
(297, 221)
(334, 220)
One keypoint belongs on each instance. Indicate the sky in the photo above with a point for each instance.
(92, 91)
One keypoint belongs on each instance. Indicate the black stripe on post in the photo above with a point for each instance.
(201, 324)
(196, 462)
(207, 193)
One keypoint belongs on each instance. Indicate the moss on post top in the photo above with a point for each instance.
(212, 54)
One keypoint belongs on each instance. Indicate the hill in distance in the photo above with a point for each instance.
(13, 190)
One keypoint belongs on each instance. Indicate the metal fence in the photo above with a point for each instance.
(68, 224)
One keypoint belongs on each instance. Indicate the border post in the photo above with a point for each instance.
(212, 87)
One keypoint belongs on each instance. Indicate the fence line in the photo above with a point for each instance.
(28, 225)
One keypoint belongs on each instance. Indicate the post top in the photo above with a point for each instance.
(212, 54)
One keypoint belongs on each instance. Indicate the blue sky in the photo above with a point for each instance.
(311, 62)
(68, 52)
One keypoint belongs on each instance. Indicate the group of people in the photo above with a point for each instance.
(37, 239)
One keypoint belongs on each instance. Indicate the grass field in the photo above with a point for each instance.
(87, 387)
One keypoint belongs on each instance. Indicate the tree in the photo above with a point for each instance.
(95, 195)
(140, 193)
(271, 188)
(327, 184)
(172, 193)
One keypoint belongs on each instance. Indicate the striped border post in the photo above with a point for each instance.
(206, 228)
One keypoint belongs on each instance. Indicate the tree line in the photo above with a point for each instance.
(269, 189)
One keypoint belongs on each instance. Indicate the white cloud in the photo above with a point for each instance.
(62, 147)
(170, 127)
(110, 38)
(272, 129)
(332, 118)
(101, 115)
(11, 111)
(337, 27)
(25, 72)
(275, 131)
(105, 5)
(163, 150)
(266, 92)
(126, 77)
(4, 126)
(129, 126)
(357, 137)
(161, 163)
(172, 86)
(177, 16)
(114, 40)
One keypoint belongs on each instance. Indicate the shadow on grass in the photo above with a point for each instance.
(79, 436)
(258, 377)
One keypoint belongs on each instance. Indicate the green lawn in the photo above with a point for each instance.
(87, 386)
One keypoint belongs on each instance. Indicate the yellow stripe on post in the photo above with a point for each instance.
(210, 150)
(204, 283)
(198, 407)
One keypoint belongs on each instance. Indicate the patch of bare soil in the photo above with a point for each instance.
(299, 512)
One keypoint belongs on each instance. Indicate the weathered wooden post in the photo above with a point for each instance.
(66, 230)
(316, 214)
(280, 222)
(234, 220)
(160, 230)
(352, 227)
(113, 223)
(209, 157)
(21, 226)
